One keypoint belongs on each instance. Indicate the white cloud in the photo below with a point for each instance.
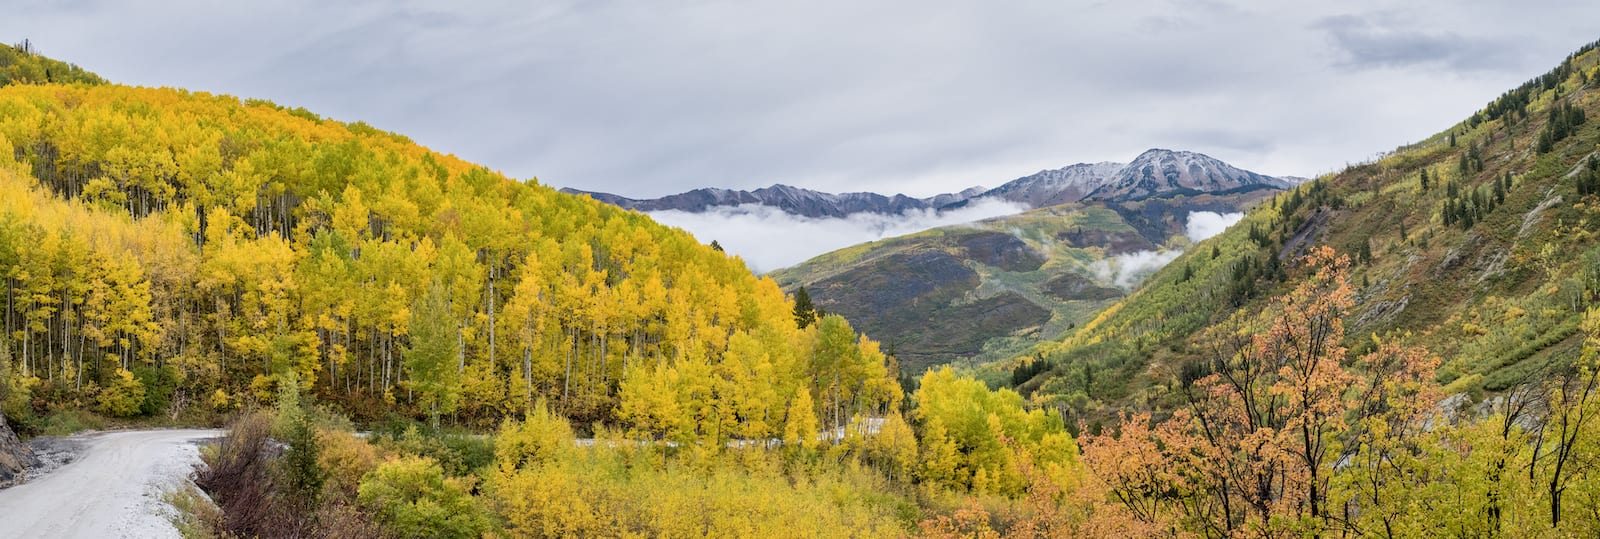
(1205, 224)
(1127, 270)
(769, 238)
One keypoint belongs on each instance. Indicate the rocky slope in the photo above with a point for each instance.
(14, 455)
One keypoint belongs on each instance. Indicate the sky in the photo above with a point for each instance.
(918, 97)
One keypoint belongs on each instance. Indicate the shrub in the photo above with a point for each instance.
(123, 397)
(412, 498)
(159, 384)
(237, 475)
(345, 459)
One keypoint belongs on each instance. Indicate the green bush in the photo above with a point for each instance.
(411, 497)
(123, 396)
(159, 383)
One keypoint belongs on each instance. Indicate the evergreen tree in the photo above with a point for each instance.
(805, 313)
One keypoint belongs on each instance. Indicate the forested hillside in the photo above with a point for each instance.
(1407, 348)
(200, 258)
(20, 64)
(165, 249)
(1480, 242)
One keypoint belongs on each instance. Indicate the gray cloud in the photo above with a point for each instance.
(1378, 41)
(649, 98)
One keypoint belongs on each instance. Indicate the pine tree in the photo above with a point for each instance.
(805, 313)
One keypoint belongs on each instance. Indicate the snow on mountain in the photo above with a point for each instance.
(1059, 186)
(1159, 171)
(1155, 172)
(794, 200)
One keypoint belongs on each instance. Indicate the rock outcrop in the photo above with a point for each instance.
(15, 457)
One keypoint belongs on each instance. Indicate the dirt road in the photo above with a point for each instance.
(112, 489)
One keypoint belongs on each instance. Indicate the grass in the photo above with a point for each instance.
(194, 515)
(70, 421)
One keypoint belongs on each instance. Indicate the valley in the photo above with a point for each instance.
(992, 290)
(229, 317)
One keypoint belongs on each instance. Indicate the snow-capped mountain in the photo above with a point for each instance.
(1155, 172)
(790, 199)
(1158, 171)
(1058, 186)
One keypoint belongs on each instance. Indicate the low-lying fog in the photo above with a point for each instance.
(769, 238)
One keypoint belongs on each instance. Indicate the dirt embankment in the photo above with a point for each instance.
(15, 458)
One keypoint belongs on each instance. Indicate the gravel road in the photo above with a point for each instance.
(112, 488)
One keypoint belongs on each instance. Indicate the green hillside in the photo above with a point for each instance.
(21, 64)
(994, 289)
(1479, 243)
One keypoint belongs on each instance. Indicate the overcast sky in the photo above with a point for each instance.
(647, 98)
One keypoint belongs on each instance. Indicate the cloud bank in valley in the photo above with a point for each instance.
(1127, 270)
(1205, 224)
(769, 238)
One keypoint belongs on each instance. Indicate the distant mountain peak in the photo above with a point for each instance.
(789, 198)
(1160, 171)
(1155, 172)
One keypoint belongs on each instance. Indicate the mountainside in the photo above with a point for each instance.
(1157, 172)
(1059, 186)
(794, 200)
(1154, 172)
(1479, 243)
(174, 252)
(995, 288)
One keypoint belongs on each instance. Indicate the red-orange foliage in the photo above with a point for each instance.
(1253, 453)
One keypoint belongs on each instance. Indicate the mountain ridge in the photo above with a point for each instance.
(1179, 171)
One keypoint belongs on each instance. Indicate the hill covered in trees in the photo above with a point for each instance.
(1480, 242)
(202, 258)
(165, 249)
(1406, 348)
